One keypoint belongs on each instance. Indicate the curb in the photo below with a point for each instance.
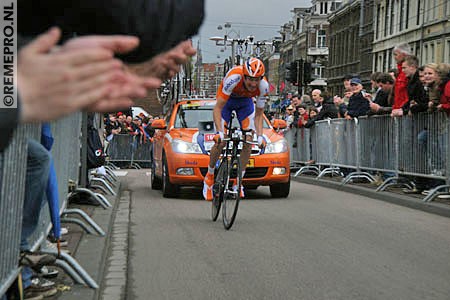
(403, 200)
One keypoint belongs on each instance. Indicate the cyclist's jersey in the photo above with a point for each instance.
(232, 86)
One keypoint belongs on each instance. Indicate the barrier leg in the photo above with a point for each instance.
(110, 165)
(110, 172)
(78, 222)
(76, 266)
(103, 199)
(69, 271)
(306, 169)
(353, 175)
(330, 170)
(398, 181)
(86, 218)
(100, 187)
(104, 183)
(91, 194)
(436, 192)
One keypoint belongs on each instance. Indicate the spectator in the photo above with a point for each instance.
(401, 81)
(289, 117)
(374, 87)
(305, 100)
(422, 76)
(418, 101)
(303, 116)
(340, 105)
(381, 105)
(358, 105)
(316, 95)
(38, 168)
(347, 88)
(312, 112)
(295, 102)
(443, 72)
(393, 73)
(328, 110)
(112, 127)
(432, 81)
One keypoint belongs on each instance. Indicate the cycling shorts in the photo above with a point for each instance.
(245, 112)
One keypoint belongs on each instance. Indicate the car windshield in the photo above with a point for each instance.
(189, 115)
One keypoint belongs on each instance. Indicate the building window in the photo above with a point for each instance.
(447, 51)
(392, 18)
(402, 9)
(386, 18)
(378, 18)
(432, 56)
(406, 14)
(425, 54)
(321, 38)
(418, 12)
(326, 7)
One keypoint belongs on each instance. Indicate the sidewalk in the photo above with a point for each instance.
(103, 258)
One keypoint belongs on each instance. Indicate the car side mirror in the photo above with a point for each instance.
(279, 124)
(159, 124)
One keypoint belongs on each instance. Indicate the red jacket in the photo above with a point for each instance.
(445, 97)
(400, 90)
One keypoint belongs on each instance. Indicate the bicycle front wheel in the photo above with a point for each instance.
(220, 178)
(231, 196)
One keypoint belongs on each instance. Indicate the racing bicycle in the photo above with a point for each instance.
(228, 176)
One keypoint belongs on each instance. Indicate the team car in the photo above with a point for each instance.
(181, 146)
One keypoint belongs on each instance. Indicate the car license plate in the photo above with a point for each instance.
(209, 137)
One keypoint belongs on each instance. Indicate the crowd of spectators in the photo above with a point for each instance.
(407, 90)
(121, 123)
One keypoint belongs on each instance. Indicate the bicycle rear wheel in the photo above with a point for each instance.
(231, 195)
(218, 189)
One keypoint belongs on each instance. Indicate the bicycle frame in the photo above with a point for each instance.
(228, 176)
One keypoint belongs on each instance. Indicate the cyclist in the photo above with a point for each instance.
(236, 92)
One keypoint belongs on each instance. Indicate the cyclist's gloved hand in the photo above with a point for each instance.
(218, 138)
(261, 142)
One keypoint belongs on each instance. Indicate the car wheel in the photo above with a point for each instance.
(155, 180)
(169, 190)
(280, 190)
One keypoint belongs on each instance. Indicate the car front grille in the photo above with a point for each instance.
(249, 172)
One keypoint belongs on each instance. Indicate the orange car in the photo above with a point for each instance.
(181, 152)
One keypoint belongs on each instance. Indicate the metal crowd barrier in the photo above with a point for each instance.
(124, 148)
(12, 178)
(410, 146)
(66, 156)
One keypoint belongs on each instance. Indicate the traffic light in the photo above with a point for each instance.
(307, 72)
(292, 72)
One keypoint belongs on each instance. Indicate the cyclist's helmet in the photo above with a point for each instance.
(254, 67)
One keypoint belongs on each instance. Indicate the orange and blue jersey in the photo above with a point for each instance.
(232, 86)
(239, 99)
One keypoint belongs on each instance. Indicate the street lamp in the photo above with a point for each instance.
(226, 40)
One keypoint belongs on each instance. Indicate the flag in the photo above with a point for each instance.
(271, 88)
(282, 86)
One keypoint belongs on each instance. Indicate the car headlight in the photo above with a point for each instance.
(180, 146)
(277, 147)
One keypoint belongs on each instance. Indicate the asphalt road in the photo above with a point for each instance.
(317, 244)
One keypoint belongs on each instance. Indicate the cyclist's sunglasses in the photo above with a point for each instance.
(255, 79)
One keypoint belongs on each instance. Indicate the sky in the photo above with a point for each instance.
(260, 18)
